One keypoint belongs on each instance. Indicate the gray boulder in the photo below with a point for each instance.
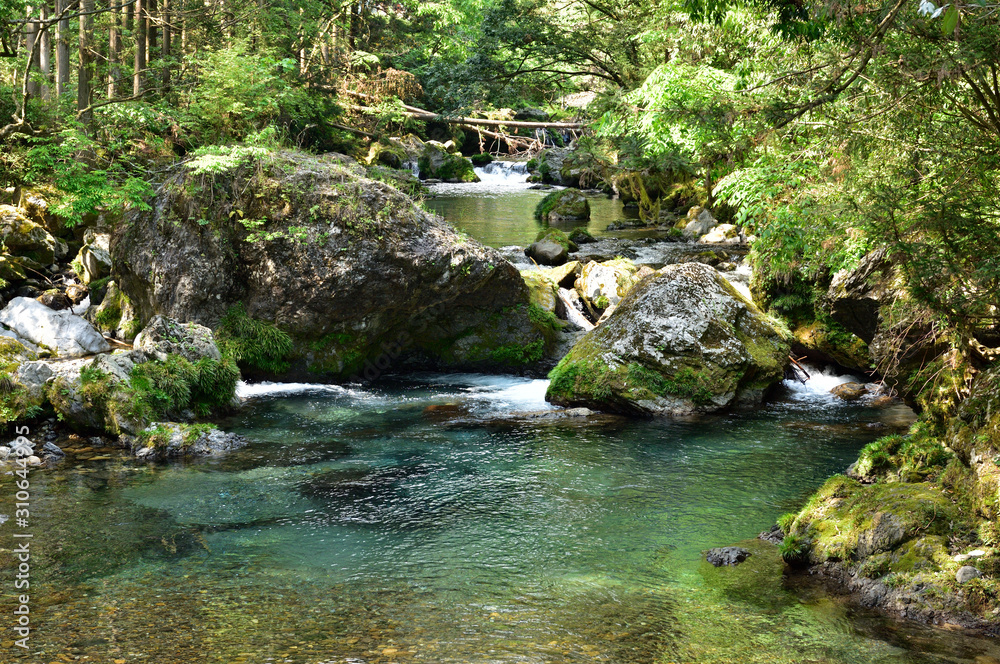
(23, 237)
(682, 341)
(164, 336)
(727, 555)
(700, 222)
(967, 573)
(352, 270)
(65, 333)
(169, 439)
(547, 252)
(94, 259)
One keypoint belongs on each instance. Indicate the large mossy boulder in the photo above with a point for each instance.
(350, 270)
(437, 163)
(561, 206)
(23, 237)
(899, 526)
(682, 341)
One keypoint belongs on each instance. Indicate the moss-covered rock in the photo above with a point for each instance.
(349, 269)
(564, 205)
(601, 285)
(437, 163)
(541, 288)
(682, 341)
(847, 520)
(23, 237)
(115, 316)
(828, 340)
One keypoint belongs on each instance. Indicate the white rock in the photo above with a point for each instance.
(723, 233)
(34, 461)
(65, 333)
(967, 573)
(977, 553)
(961, 558)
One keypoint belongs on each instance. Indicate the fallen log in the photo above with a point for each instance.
(428, 115)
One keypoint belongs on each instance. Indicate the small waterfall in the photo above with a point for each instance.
(413, 167)
(503, 172)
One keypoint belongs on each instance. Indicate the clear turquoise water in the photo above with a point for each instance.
(426, 521)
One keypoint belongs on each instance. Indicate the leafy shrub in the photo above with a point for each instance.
(253, 343)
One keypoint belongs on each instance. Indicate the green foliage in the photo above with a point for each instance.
(794, 550)
(252, 343)
(219, 159)
(159, 389)
(87, 183)
(481, 159)
(785, 522)
(685, 383)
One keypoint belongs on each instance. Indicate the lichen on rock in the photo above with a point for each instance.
(355, 274)
(683, 341)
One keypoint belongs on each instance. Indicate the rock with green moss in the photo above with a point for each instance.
(162, 440)
(115, 316)
(605, 284)
(164, 336)
(23, 237)
(437, 163)
(542, 289)
(93, 262)
(349, 270)
(847, 520)
(562, 206)
(683, 341)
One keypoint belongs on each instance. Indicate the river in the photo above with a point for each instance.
(432, 518)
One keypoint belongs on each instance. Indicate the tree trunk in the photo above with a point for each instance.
(150, 6)
(45, 53)
(62, 48)
(140, 48)
(165, 50)
(129, 10)
(84, 71)
(30, 39)
(114, 52)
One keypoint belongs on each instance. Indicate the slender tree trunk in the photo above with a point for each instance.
(129, 10)
(165, 19)
(45, 53)
(140, 48)
(84, 71)
(30, 39)
(114, 52)
(150, 6)
(62, 48)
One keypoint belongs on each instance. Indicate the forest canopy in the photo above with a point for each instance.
(825, 129)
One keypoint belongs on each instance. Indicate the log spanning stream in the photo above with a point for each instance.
(426, 519)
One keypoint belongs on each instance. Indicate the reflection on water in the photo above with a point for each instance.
(500, 210)
(421, 522)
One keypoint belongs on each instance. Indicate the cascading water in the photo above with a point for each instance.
(413, 167)
(503, 172)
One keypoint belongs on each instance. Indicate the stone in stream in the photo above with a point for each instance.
(547, 252)
(682, 341)
(727, 555)
(357, 275)
(849, 391)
